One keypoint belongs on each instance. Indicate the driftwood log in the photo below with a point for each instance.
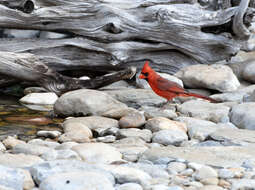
(111, 35)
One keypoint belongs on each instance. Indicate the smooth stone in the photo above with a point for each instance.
(117, 85)
(129, 186)
(12, 177)
(144, 134)
(242, 115)
(75, 131)
(169, 137)
(66, 145)
(206, 175)
(205, 110)
(216, 77)
(234, 136)
(31, 149)
(249, 97)
(107, 139)
(152, 112)
(40, 142)
(118, 113)
(85, 102)
(132, 120)
(248, 73)
(136, 97)
(187, 172)
(28, 181)
(97, 153)
(77, 180)
(197, 128)
(238, 184)
(42, 171)
(60, 154)
(5, 188)
(230, 156)
(45, 98)
(124, 174)
(19, 160)
(211, 187)
(93, 122)
(225, 173)
(160, 123)
(176, 167)
(48, 134)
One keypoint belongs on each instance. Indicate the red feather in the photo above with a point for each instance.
(165, 88)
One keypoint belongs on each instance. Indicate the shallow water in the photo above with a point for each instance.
(16, 119)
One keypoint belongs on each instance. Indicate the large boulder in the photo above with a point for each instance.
(216, 77)
(85, 102)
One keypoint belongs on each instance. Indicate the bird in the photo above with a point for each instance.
(165, 88)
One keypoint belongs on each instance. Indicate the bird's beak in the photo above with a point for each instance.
(142, 76)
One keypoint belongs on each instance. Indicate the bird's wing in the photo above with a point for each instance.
(166, 85)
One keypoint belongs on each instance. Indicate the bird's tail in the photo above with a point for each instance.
(203, 97)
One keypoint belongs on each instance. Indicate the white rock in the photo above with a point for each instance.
(40, 142)
(160, 123)
(97, 153)
(238, 184)
(144, 134)
(176, 167)
(242, 115)
(2, 147)
(204, 110)
(206, 175)
(77, 180)
(84, 102)
(169, 137)
(30, 149)
(48, 134)
(19, 160)
(129, 186)
(107, 139)
(46, 98)
(216, 77)
(11, 142)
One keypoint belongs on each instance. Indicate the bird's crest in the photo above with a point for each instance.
(146, 67)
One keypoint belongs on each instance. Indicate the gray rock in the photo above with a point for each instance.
(230, 156)
(216, 77)
(11, 178)
(124, 174)
(197, 128)
(242, 115)
(160, 123)
(117, 85)
(135, 119)
(93, 122)
(97, 153)
(225, 173)
(30, 149)
(176, 167)
(234, 136)
(95, 103)
(107, 139)
(248, 73)
(77, 180)
(41, 172)
(249, 97)
(118, 112)
(129, 186)
(46, 98)
(169, 137)
(238, 184)
(137, 97)
(19, 160)
(205, 110)
(40, 142)
(144, 134)
(48, 134)
(76, 130)
(107, 131)
(206, 175)
(151, 112)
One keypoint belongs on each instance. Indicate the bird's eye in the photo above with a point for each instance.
(145, 74)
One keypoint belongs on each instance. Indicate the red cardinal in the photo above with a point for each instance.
(165, 88)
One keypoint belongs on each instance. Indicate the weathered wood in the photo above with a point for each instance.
(121, 23)
(28, 67)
